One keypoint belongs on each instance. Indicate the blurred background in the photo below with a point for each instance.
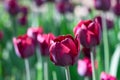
(58, 17)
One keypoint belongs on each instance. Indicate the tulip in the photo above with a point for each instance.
(84, 67)
(116, 8)
(109, 23)
(24, 46)
(105, 76)
(1, 35)
(64, 7)
(86, 52)
(24, 10)
(39, 2)
(88, 32)
(44, 42)
(33, 32)
(23, 20)
(12, 7)
(64, 50)
(102, 4)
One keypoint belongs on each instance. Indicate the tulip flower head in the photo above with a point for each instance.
(64, 7)
(1, 35)
(88, 32)
(23, 20)
(44, 42)
(12, 7)
(109, 23)
(102, 4)
(24, 46)
(39, 2)
(64, 50)
(116, 8)
(33, 32)
(86, 52)
(24, 10)
(105, 76)
(84, 67)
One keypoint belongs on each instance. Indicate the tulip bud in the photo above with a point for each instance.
(39, 2)
(109, 23)
(105, 76)
(44, 42)
(24, 10)
(102, 4)
(64, 7)
(24, 46)
(88, 32)
(33, 32)
(84, 67)
(1, 35)
(64, 50)
(12, 7)
(23, 20)
(116, 8)
(86, 52)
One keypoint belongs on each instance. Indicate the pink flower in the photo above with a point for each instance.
(24, 46)
(33, 33)
(88, 32)
(84, 67)
(64, 50)
(105, 76)
(44, 43)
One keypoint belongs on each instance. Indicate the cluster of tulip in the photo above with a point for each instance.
(65, 50)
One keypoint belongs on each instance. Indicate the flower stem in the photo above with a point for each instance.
(54, 75)
(93, 66)
(39, 64)
(86, 78)
(27, 69)
(67, 72)
(45, 70)
(105, 43)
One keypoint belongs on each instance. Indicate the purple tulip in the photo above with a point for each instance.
(24, 46)
(105, 76)
(64, 50)
(24, 10)
(86, 52)
(116, 8)
(1, 35)
(39, 2)
(44, 42)
(23, 20)
(88, 32)
(12, 7)
(102, 4)
(109, 23)
(64, 7)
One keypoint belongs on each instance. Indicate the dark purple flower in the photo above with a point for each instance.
(86, 52)
(33, 33)
(24, 10)
(116, 8)
(88, 32)
(64, 7)
(12, 7)
(24, 46)
(109, 23)
(39, 2)
(102, 4)
(44, 42)
(1, 35)
(23, 20)
(64, 50)
(105, 76)
(84, 67)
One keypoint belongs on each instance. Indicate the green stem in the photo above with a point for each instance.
(86, 78)
(67, 73)
(13, 18)
(45, 69)
(93, 66)
(39, 64)
(54, 75)
(105, 43)
(27, 69)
